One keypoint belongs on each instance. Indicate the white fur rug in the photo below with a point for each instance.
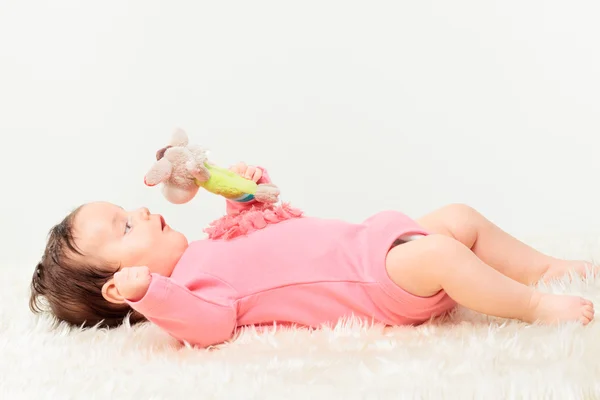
(469, 356)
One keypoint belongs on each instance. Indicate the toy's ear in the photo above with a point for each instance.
(160, 172)
(179, 138)
(198, 171)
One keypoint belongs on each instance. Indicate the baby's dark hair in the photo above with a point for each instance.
(70, 284)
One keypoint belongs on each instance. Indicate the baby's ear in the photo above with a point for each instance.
(179, 138)
(111, 293)
(160, 172)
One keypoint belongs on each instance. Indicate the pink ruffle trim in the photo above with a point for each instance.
(255, 218)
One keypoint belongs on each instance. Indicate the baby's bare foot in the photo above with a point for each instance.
(560, 268)
(554, 308)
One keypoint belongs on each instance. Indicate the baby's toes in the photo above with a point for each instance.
(588, 313)
(587, 302)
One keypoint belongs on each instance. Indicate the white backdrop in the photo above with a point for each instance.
(354, 107)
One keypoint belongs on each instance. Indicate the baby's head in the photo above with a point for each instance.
(75, 274)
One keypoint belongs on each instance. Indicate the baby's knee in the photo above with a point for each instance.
(462, 221)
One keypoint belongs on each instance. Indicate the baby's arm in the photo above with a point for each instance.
(257, 174)
(174, 308)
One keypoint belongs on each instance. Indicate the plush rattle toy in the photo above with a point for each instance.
(183, 168)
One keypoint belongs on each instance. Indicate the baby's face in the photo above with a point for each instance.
(128, 238)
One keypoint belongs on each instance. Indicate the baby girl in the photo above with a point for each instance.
(103, 263)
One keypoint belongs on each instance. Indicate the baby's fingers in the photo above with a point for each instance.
(248, 172)
(129, 274)
(239, 168)
(120, 278)
(253, 173)
(139, 272)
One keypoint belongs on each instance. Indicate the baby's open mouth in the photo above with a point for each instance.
(162, 223)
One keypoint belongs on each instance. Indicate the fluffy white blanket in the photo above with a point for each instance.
(466, 356)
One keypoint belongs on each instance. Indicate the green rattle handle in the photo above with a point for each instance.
(228, 184)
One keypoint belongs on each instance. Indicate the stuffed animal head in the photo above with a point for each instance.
(179, 167)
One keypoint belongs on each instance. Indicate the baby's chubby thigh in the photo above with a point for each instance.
(417, 266)
(411, 280)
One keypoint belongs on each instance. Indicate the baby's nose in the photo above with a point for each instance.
(144, 213)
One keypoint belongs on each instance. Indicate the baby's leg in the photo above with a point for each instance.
(496, 247)
(425, 266)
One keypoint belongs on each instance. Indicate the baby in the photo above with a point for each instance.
(103, 264)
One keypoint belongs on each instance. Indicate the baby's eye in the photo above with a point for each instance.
(127, 225)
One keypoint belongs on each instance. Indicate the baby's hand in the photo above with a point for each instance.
(248, 172)
(133, 282)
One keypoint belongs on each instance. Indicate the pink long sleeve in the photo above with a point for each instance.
(185, 315)
(234, 207)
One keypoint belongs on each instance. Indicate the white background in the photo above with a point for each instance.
(354, 107)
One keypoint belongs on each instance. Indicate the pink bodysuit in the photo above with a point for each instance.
(303, 270)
